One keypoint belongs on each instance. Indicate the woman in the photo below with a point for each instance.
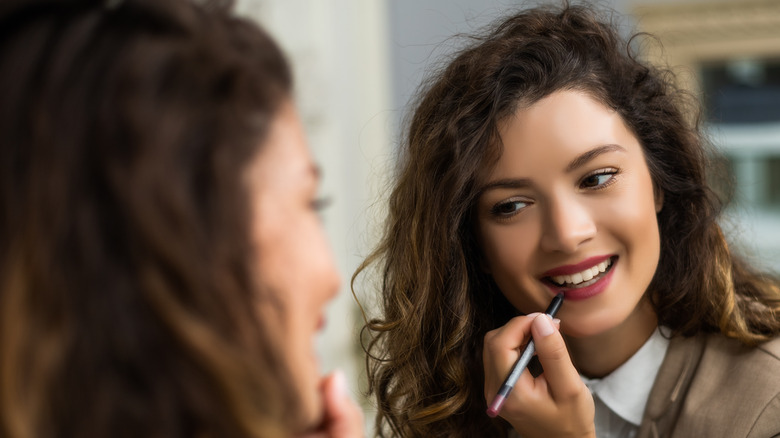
(545, 159)
(163, 269)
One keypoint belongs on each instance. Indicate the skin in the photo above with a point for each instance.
(572, 185)
(296, 263)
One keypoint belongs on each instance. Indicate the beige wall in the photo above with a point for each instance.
(700, 31)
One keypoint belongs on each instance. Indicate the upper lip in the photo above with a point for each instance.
(575, 268)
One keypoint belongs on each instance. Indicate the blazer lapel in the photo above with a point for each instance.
(671, 385)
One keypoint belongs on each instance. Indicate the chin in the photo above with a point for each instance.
(574, 333)
(312, 411)
(309, 412)
(587, 328)
(311, 403)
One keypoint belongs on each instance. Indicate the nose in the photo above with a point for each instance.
(568, 224)
(331, 280)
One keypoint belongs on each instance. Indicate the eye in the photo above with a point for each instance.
(507, 209)
(599, 180)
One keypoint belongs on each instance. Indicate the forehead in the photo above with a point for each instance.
(558, 127)
(286, 143)
(284, 157)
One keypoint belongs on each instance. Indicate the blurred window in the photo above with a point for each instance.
(742, 91)
(742, 105)
(773, 171)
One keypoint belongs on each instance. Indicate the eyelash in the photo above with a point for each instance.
(496, 210)
(610, 171)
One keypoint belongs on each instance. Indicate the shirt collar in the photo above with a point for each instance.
(625, 391)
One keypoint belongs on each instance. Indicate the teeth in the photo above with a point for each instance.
(585, 275)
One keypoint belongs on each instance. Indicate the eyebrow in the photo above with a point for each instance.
(583, 159)
(577, 162)
(506, 183)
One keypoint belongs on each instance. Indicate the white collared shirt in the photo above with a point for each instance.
(621, 396)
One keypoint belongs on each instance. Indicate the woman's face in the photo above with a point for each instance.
(294, 259)
(570, 207)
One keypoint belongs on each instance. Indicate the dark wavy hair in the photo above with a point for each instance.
(424, 355)
(126, 293)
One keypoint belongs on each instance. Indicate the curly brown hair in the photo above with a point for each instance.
(126, 293)
(424, 355)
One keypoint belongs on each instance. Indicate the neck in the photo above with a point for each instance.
(596, 356)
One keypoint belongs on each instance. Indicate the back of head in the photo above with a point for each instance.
(126, 298)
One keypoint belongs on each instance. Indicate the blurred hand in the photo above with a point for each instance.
(556, 403)
(343, 418)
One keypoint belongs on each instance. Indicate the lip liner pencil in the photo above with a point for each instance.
(520, 364)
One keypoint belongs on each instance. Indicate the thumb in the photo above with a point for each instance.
(343, 418)
(559, 372)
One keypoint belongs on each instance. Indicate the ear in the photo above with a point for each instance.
(658, 193)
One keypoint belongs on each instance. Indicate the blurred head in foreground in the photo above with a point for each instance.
(162, 267)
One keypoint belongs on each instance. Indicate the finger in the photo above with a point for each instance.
(501, 346)
(559, 372)
(501, 349)
(512, 335)
(343, 418)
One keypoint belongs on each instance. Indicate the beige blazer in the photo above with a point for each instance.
(710, 386)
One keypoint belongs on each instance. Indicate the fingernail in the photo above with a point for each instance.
(544, 325)
(557, 322)
(340, 382)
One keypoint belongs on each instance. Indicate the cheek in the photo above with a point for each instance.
(633, 223)
(278, 269)
(639, 216)
(508, 258)
(504, 248)
(318, 263)
(295, 261)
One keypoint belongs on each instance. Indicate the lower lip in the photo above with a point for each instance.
(584, 293)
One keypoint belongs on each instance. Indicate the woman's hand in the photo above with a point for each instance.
(555, 404)
(343, 418)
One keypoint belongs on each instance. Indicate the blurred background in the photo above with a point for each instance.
(358, 62)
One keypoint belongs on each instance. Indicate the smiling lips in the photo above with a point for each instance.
(582, 280)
